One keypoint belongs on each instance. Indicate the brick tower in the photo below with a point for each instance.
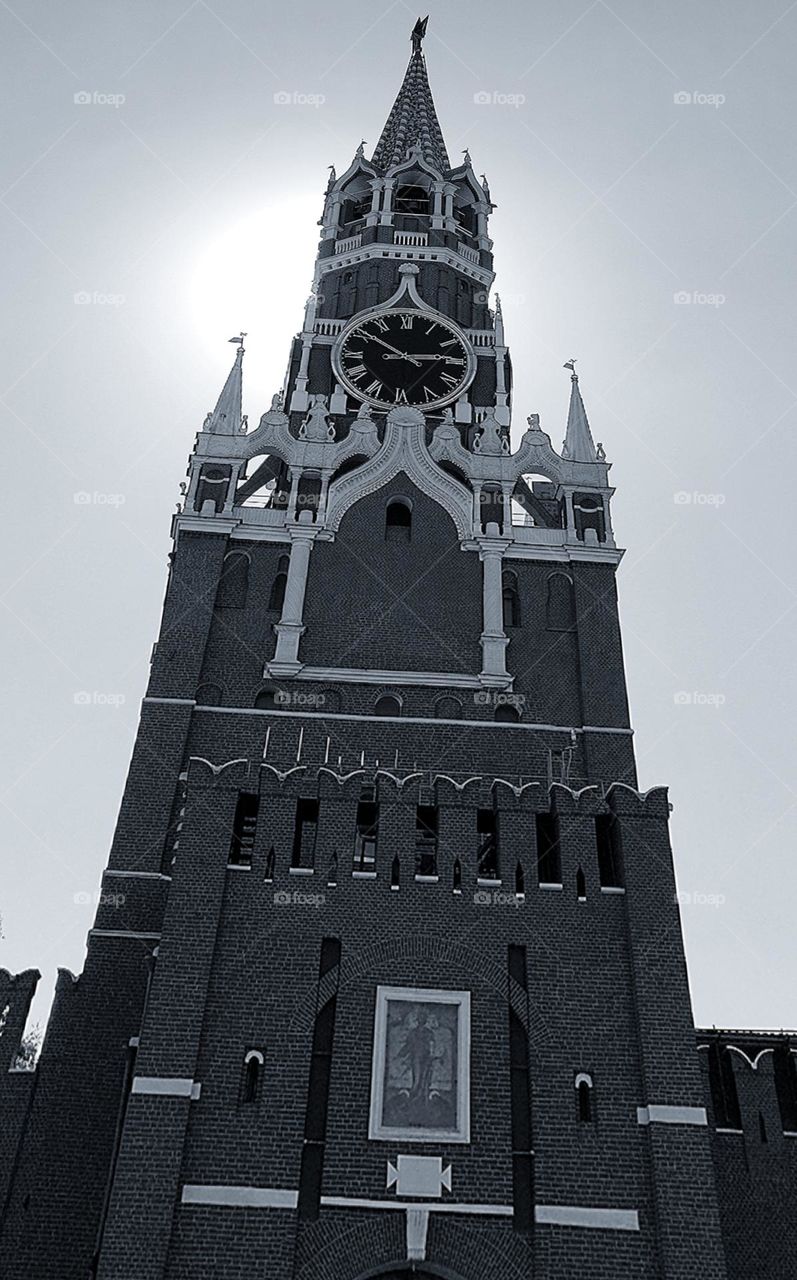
(387, 975)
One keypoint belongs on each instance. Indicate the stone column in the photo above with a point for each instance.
(493, 639)
(290, 627)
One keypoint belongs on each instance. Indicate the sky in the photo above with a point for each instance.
(162, 173)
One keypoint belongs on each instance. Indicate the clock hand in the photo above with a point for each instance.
(414, 357)
(401, 355)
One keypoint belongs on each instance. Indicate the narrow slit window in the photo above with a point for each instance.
(252, 1073)
(304, 834)
(366, 835)
(487, 855)
(785, 1069)
(244, 830)
(584, 1104)
(581, 885)
(549, 859)
(426, 840)
(722, 1084)
(607, 839)
(520, 881)
(277, 597)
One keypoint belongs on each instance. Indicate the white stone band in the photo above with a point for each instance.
(661, 1114)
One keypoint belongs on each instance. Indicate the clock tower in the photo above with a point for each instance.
(387, 977)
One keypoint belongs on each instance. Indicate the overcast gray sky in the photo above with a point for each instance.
(151, 165)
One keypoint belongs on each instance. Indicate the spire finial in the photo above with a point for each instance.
(571, 365)
(418, 33)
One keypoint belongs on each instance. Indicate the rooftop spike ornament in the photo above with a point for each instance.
(578, 444)
(227, 419)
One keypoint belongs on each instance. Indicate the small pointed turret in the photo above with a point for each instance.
(413, 119)
(226, 418)
(578, 445)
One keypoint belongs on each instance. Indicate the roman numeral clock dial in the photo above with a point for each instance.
(404, 357)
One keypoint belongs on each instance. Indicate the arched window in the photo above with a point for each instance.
(266, 700)
(388, 705)
(209, 695)
(411, 199)
(581, 885)
(588, 512)
(234, 581)
(511, 599)
(560, 612)
(584, 1108)
(506, 713)
(252, 1072)
(448, 708)
(398, 521)
(277, 598)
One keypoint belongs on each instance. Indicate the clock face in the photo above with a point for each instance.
(404, 357)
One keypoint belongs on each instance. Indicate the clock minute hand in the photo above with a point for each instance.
(400, 354)
(415, 357)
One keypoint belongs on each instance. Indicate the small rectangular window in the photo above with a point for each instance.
(607, 838)
(304, 834)
(243, 830)
(785, 1067)
(426, 840)
(549, 858)
(487, 859)
(366, 834)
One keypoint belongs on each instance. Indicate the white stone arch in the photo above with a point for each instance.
(404, 452)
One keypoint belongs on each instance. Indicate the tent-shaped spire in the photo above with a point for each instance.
(413, 119)
(225, 420)
(578, 445)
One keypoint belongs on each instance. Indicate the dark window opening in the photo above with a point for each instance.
(762, 1127)
(584, 1099)
(398, 522)
(270, 859)
(487, 859)
(250, 1085)
(457, 876)
(395, 872)
(722, 1084)
(520, 881)
(234, 581)
(308, 494)
(785, 1070)
(304, 834)
(387, 705)
(411, 199)
(581, 885)
(212, 487)
(491, 507)
(366, 835)
(277, 597)
(244, 829)
(511, 601)
(332, 872)
(588, 512)
(506, 713)
(266, 700)
(607, 838)
(426, 840)
(549, 860)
